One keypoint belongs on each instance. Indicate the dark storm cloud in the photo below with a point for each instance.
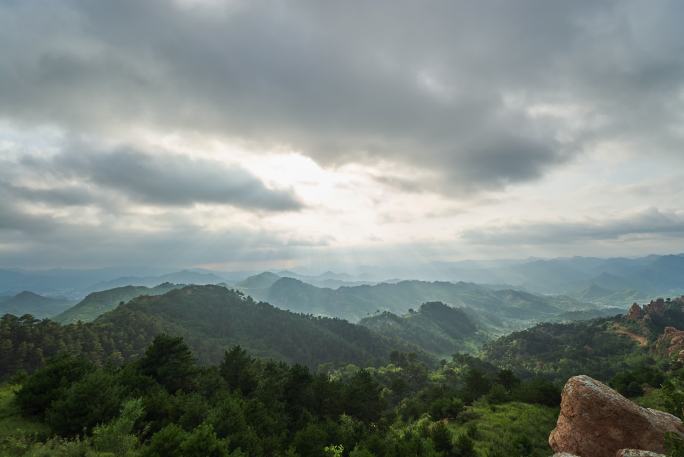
(427, 84)
(159, 179)
(15, 221)
(41, 241)
(650, 223)
(57, 196)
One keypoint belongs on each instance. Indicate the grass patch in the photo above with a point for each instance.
(16, 432)
(509, 429)
(654, 399)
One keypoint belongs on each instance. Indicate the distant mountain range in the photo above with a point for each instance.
(633, 278)
(31, 303)
(500, 309)
(179, 277)
(611, 281)
(491, 310)
(213, 318)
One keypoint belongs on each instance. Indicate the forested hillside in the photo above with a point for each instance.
(160, 397)
(164, 405)
(600, 348)
(98, 303)
(211, 318)
(435, 327)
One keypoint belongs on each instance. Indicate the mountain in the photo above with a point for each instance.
(357, 302)
(179, 277)
(650, 275)
(261, 281)
(31, 303)
(213, 318)
(561, 350)
(328, 279)
(98, 303)
(436, 328)
(595, 293)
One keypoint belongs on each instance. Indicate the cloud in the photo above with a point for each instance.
(428, 86)
(15, 221)
(72, 195)
(157, 179)
(395, 100)
(40, 240)
(651, 223)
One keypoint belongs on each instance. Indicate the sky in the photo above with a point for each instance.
(239, 135)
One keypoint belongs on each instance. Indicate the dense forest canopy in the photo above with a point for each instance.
(205, 370)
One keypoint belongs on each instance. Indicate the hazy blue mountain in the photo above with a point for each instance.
(327, 279)
(98, 303)
(650, 275)
(595, 293)
(31, 303)
(260, 281)
(179, 277)
(357, 302)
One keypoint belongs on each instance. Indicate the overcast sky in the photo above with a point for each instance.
(272, 134)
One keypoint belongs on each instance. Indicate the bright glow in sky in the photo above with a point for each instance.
(268, 134)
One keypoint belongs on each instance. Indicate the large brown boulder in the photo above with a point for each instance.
(596, 421)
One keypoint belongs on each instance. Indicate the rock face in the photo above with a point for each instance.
(596, 421)
(671, 344)
(635, 312)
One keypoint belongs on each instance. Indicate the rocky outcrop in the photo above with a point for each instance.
(671, 344)
(636, 313)
(596, 421)
(654, 309)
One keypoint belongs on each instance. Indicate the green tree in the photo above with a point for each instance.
(93, 400)
(166, 442)
(117, 436)
(311, 440)
(441, 437)
(464, 447)
(507, 379)
(237, 369)
(362, 397)
(169, 361)
(50, 383)
(203, 442)
(476, 385)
